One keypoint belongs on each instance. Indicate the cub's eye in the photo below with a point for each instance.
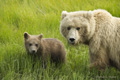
(68, 28)
(30, 44)
(78, 28)
(36, 45)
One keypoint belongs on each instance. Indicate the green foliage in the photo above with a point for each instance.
(43, 16)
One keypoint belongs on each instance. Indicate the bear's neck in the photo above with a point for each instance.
(86, 42)
(41, 48)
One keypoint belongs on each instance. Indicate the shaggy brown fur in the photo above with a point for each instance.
(45, 48)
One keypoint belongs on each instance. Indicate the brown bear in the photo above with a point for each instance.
(99, 30)
(45, 48)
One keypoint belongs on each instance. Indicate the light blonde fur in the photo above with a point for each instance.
(100, 31)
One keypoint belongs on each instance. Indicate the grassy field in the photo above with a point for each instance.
(43, 16)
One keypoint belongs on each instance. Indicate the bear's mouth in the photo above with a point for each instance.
(72, 43)
(33, 52)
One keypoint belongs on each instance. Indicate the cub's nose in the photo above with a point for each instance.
(33, 51)
(72, 39)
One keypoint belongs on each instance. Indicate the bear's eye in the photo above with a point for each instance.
(36, 45)
(68, 28)
(78, 28)
(30, 44)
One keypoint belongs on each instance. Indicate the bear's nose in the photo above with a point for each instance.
(72, 39)
(33, 51)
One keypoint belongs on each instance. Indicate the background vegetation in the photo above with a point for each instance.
(44, 16)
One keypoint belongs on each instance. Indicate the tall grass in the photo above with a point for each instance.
(43, 16)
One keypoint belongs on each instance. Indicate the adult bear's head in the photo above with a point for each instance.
(77, 27)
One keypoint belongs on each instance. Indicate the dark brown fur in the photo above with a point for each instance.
(47, 47)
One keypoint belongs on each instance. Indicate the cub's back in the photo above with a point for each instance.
(53, 45)
(55, 48)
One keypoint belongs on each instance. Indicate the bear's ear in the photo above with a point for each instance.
(64, 14)
(40, 36)
(89, 15)
(26, 35)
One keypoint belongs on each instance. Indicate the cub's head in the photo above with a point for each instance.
(32, 42)
(77, 27)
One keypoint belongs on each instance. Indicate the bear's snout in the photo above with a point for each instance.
(72, 40)
(33, 51)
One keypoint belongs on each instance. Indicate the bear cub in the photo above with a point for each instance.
(45, 48)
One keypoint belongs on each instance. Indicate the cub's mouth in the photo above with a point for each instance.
(33, 52)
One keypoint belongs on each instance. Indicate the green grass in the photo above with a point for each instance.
(43, 16)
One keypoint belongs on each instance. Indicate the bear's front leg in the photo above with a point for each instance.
(99, 59)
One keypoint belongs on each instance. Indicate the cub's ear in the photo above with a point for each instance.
(26, 35)
(64, 14)
(40, 36)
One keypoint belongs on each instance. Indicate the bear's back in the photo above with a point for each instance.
(54, 48)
